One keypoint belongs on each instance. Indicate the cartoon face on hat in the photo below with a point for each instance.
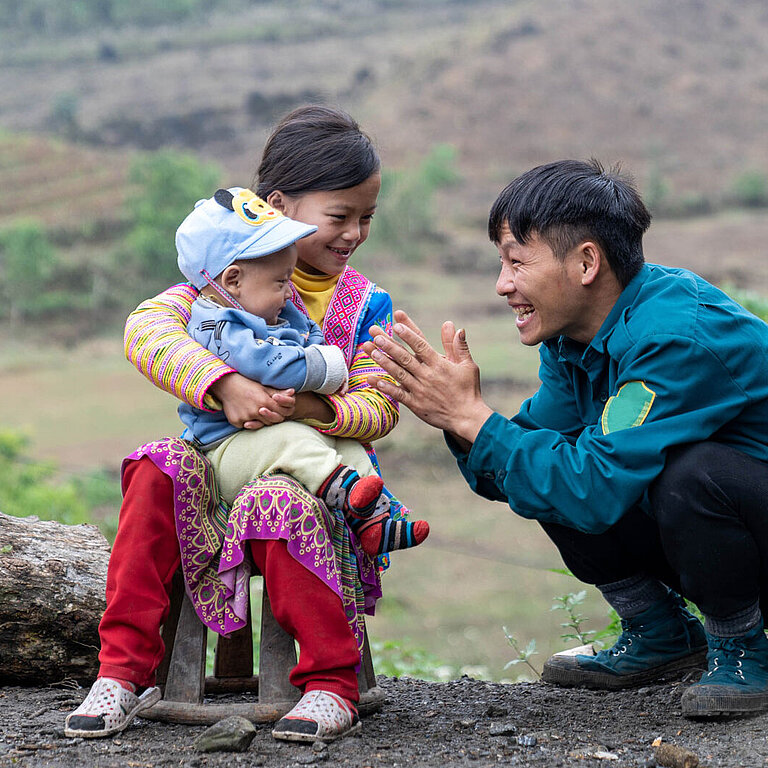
(252, 209)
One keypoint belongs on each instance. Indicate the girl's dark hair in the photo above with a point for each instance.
(315, 148)
(568, 202)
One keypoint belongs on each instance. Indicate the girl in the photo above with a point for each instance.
(317, 167)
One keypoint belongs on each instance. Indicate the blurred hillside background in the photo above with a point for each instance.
(116, 115)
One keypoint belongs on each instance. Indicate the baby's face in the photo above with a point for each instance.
(266, 283)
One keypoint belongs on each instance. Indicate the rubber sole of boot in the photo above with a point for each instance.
(568, 674)
(701, 701)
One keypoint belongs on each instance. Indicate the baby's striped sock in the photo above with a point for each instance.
(356, 496)
(382, 534)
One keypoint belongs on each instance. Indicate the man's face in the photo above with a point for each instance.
(547, 294)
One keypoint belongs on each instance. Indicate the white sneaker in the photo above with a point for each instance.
(319, 716)
(107, 709)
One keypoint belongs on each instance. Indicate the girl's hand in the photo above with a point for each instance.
(250, 405)
(312, 406)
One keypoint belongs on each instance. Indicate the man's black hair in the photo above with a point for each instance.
(568, 202)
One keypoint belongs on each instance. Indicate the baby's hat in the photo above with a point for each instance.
(234, 224)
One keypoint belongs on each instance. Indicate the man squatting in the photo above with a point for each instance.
(644, 452)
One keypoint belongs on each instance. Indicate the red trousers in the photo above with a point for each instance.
(146, 555)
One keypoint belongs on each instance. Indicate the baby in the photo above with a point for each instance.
(240, 253)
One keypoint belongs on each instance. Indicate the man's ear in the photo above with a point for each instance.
(590, 261)
(230, 279)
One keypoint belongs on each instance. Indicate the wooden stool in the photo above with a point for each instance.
(181, 674)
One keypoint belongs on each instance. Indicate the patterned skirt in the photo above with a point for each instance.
(212, 538)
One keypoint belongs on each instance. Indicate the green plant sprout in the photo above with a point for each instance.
(601, 637)
(570, 603)
(523, 654)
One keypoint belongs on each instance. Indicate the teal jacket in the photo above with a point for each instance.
(676, 361)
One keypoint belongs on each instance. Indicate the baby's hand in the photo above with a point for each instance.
(343, 389)
(250, 405)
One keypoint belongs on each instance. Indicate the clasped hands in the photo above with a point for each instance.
(442, 390)
(250, 405)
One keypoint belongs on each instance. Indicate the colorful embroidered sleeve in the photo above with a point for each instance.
(157, 343)
(364, 413)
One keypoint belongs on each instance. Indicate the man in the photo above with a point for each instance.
(643, 454)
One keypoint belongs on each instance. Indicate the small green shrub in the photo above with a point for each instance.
(750, 189)
(694, 204)
(570, 603)
(405, 219)
(27, 261)
(167, 184)
(29, 487)
(64, 118)
(657, 191)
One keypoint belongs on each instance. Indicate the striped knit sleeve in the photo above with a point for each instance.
(364, 413)
(157, 344)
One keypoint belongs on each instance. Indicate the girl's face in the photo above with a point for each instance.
(343, 218)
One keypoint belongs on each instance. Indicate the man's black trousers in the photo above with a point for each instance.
(706, 536)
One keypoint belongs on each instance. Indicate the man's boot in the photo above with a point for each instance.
(736, 681)
(661, 640)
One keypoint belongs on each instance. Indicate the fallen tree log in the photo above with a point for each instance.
(52, 582)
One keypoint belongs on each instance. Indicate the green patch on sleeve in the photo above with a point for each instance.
(628, 407)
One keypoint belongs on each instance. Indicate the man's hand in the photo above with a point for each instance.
(250, 405)
(442, 390)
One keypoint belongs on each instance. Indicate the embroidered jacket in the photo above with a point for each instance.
(676, 361)
(289, 354)
(157, 343)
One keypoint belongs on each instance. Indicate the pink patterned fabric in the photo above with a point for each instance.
(347, 306)
(212, 539)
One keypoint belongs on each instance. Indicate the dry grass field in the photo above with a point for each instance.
(675, 89)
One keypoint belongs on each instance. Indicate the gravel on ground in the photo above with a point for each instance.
(422, 724)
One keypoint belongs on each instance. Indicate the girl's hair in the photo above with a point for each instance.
(315, 148)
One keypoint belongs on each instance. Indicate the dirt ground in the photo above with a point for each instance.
(421, 725)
